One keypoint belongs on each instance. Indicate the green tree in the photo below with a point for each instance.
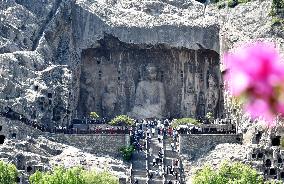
(236, 173)
(75, 175)
(8, 173)
(94, 177)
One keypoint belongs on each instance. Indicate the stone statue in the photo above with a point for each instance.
(109, 100)
(189, 105)
(212, 94)
(150, 97)
(200, 111)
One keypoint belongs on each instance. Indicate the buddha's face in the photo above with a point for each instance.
(211, 81)
(111, 88)
(152, 73)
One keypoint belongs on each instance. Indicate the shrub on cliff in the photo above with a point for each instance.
(122, 120)
(277, 7)
(74, 175)
(8, 173)
(127, 152)
(184, 121)
(228, 174)
(94, 115)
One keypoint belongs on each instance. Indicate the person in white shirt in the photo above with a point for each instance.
(150, 151)
(154, 161)
(153, 131)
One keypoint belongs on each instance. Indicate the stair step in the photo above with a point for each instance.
(140, 180)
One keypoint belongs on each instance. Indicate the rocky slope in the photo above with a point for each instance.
(222, 152)
(41, 44)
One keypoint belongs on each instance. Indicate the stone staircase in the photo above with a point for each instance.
(139, 168)
(143, 162)
(155, 145)
(169, 157)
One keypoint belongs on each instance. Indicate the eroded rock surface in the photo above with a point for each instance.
(41, 46)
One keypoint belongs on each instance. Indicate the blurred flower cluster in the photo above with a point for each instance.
(256, 74)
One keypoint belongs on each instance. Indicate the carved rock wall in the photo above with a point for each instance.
(190, 78)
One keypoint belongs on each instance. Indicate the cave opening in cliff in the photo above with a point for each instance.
(272, 171)
(29, 169)
(2, 139)
(260, 155)
(147, 81)
(282, 175)
(258, 137)
(275, 141)
(13, 135)
(18, 179)
(268, 163)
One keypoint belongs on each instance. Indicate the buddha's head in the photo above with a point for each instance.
(151, 72)
(111, 87)
(212, 81)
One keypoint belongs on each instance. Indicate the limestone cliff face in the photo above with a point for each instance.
(41, 44)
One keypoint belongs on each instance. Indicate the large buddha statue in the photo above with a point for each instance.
(150, 97)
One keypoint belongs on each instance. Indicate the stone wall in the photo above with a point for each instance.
(198, 144)
(101, 144)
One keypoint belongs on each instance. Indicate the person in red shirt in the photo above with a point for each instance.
(170, 131)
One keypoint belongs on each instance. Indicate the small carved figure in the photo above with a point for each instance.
(212, 94)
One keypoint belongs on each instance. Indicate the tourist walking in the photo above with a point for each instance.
(153, 131)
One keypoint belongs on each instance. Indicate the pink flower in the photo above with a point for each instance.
(258, 108)
(255, 71)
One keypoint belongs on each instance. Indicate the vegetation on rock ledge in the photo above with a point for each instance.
(184, 121)
(94, 115)
(122, 120)
(127, 152)
(277, 13)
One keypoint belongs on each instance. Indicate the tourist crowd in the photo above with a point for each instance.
(145, 134)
